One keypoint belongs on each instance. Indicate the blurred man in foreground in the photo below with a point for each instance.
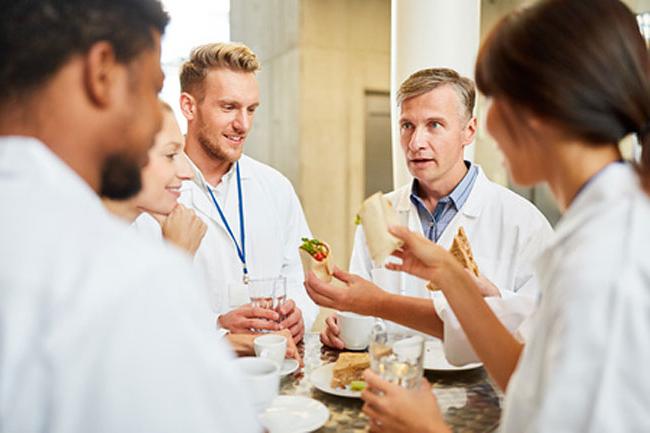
(99, 331)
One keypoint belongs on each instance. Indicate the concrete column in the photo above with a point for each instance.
(425, 34)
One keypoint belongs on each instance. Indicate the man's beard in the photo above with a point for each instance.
(211, 148)
(120, 178)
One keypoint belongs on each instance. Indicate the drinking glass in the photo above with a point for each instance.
(397, 356)
(269, 293)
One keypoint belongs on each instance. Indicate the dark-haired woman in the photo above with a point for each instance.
(568, 79)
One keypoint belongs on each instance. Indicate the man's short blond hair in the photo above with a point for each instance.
(234, 56)
(426, 80)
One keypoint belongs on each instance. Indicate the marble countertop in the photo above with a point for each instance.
(468, 399)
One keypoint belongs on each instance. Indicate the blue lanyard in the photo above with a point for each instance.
(241, 251)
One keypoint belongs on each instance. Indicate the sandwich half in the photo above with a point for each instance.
(462, 252)
(349, 367)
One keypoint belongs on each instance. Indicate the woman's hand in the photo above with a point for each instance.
(485, 286)
(184, 229)
(421, 257)
(394, 409)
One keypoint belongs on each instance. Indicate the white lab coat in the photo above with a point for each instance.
(274, 225)
(99, 330)
(585, 364)
(506, 233)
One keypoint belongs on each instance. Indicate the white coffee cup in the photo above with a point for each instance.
(262, 380)
(271, 346)
(355, 329)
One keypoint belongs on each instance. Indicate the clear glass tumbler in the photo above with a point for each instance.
(397, 356)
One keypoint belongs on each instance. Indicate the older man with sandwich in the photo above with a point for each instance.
(451, 202)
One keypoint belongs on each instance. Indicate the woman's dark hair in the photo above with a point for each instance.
(581, 64)
(37, 37)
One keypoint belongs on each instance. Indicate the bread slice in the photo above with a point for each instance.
(462, 251)
(348, 367)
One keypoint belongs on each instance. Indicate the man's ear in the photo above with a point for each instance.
(469, 133)
(188, 106)
(101, 73)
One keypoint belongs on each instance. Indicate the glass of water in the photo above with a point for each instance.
(269, 293)
(397, 356)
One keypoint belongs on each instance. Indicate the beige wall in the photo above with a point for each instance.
(485, 152)
(345, 52)
(318, 60)
(271, 28)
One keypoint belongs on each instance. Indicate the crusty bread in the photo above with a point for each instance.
(462, 251)
(348, 367)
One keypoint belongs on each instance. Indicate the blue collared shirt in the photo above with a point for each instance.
(434, 224)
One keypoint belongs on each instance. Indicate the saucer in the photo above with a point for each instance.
(289, 366)
(294, 414)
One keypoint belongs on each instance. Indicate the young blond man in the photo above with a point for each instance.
(255, 220)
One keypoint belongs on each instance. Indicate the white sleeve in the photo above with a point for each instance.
(582, 369)
(511, 311)
(292, 266)
(163, 369)
(147, 225)
(513, 308)
(360, 262)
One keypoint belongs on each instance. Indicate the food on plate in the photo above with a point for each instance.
(358, 385)
(462, 251)
(349, 367)
(376, 215)
(314, 255)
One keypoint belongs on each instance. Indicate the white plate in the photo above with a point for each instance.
(294, 414)
(321, 378)
(289, 366)
(434, 358)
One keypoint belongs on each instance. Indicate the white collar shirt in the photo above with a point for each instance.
(274, 225)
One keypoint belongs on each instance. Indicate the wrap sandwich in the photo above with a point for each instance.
(314, 255)
(376, 215)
